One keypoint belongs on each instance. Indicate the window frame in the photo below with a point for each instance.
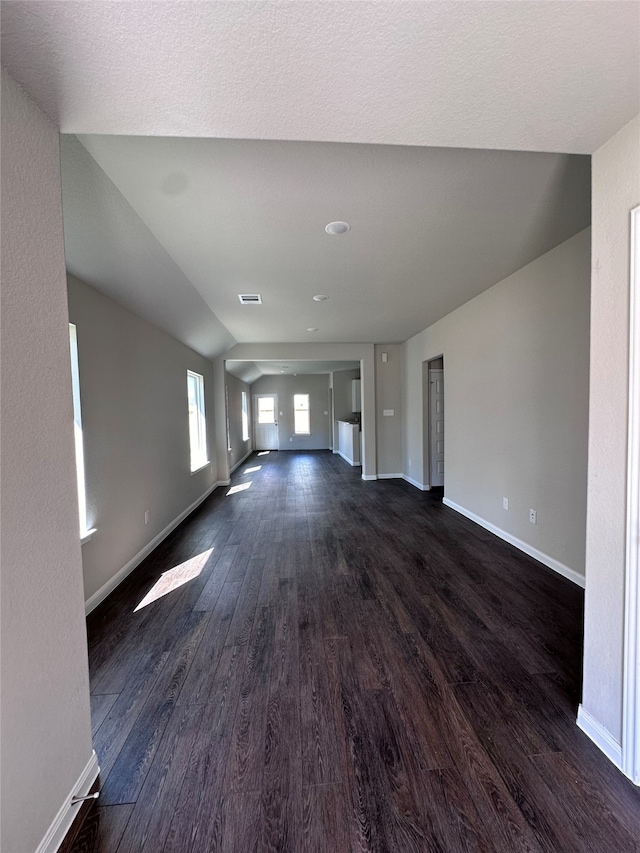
(307, 410)
(85, 532)
(245, 416)
(198, 449)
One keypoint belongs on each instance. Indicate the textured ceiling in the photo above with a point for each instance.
(192, 203)
(535, 76)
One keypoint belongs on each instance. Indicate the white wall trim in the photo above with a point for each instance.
(239, 463)
(603, 739)
(62, 821)
(415, 483)
(390, 476)
(100, 595)
(630, 675)
(351, 462)
(369, 476)
(540, 556)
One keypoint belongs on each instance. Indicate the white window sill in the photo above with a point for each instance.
(201, 467)
(87, 535)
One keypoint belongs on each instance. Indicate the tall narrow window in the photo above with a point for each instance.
(245, 418)
(301, 414)
(77, 429)
(197, 422)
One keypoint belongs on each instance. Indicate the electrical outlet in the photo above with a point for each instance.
(290, 438)
(146, 516)
(533, 516)
(505, 503)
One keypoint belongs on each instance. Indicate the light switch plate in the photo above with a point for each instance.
(388, 413)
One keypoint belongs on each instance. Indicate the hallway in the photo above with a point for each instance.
(315, 663)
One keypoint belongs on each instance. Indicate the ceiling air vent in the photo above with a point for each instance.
(250, 298)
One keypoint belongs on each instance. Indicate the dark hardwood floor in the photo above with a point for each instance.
(333, 665)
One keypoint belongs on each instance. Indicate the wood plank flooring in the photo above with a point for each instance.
(335, 666)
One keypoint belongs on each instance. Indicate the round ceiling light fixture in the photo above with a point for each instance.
(313, 329)
(320, 298)
(338, 227)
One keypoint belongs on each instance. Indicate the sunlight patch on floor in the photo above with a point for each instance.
(239, 488)
(176, 577)
(251, 470)
(264, 453)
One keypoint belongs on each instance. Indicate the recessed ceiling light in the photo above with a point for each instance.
(313, 329)
(337, 228)
(320, 298)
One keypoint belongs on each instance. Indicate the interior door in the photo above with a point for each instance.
(265, 421)
(436, 427)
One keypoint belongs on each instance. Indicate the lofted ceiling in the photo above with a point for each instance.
(430, 227)
(217, 139)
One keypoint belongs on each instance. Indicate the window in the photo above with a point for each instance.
(245, 418)
(266, 410)
(197, 422)
(77, 429)
(301, 414)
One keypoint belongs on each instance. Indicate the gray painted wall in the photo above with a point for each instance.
(616, 190)
(516, 362)
(133, 391)
(317, 386)
(239, 448)
(310, 352)
(46, 730)
(389, 397)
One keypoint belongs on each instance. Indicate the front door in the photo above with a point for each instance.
(265, 421)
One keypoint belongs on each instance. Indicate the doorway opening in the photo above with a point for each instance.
(631, 672)
(434, 424)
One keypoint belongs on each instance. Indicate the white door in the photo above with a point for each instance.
(265, 421)
(436, 427)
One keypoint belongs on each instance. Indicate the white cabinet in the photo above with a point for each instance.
(356, 405)
(349, 442)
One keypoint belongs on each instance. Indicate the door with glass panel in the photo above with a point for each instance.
(265, 421)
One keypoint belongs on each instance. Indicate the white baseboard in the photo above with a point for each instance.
(389, 476)
(62, 821)
(100, 595)
(540, 556)
(603, 739)
(369, 477)
(415, 483)
(346, 459)
(239, 463)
